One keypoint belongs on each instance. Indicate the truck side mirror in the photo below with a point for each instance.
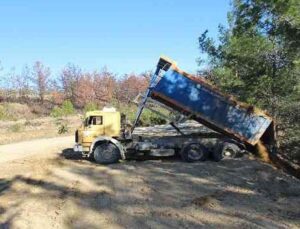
(85, 122)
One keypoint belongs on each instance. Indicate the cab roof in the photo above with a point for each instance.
(99, 112)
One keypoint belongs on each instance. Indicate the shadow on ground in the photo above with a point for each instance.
(157, 194)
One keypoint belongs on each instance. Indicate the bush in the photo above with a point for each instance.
(91, 106)
(157, 120)
(148, 118)
(3, 113)
(15, 128)
(66, 108)
(62, 126)
(56, 112)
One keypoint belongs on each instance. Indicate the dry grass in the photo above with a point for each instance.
(26, 129)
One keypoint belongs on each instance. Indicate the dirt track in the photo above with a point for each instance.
(38, 188)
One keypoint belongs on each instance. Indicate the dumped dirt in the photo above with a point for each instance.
(262, 152)
(39, 187)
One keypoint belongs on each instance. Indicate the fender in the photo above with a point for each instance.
(109, 139)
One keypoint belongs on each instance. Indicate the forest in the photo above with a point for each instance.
(257, 59)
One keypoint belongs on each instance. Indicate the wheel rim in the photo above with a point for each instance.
(106, 153)
(195, 153)
(228, 153)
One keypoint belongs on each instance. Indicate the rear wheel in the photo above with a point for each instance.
(107, 153)
(226, 150)
(194, 152)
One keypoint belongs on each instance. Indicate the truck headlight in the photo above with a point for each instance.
(86, 133)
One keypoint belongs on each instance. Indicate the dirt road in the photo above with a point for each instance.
(34, 148)
(39, 188)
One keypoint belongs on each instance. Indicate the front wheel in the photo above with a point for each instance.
(107, 153)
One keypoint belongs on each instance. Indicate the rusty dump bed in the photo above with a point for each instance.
(196, 98)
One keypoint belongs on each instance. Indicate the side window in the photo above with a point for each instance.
(95, 120)
(98, 120)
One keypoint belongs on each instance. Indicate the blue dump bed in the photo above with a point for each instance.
(195, 97)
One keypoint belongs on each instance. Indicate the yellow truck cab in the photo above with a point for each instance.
(98, 127)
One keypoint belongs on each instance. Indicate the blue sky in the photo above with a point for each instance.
(126, 36)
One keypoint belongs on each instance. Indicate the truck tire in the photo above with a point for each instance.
(225, 150)
(106, 153)
(194, 152)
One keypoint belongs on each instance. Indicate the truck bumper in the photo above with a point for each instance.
(77, 148)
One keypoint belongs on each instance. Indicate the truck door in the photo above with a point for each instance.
(95, 127)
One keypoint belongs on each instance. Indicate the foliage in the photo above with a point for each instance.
(258, 57)
(129, 86)
(17, 127)
(147, 118)
(85, 90)
(3, 113)
(62, 126)
(56, 112)
(90, 106)
(65, 109)
(69, 82)
(289, 128)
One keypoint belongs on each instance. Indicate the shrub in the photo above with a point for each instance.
(148, 118)
(16, 128)
(157, 120)
(3, 113)
(62, 126)
(66, 108)
(56, 112)
(91, 106)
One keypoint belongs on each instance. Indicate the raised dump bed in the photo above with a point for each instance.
(196, 98)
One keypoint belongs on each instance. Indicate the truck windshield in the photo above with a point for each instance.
(94, 120)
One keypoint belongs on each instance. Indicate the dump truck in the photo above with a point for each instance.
(107, 137)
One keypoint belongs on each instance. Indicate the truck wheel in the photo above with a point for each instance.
(225, 150)
(107, 153)
(194, 152)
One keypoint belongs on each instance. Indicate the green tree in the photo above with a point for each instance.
(257, 58)
(65, 109)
